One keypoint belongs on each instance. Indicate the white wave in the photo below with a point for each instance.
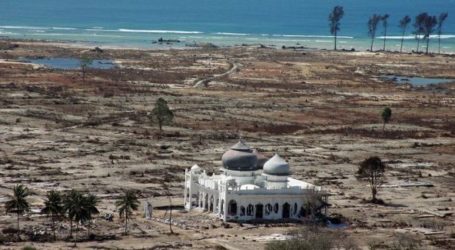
(314, 36)
(160, 31)
(63, 28)
(101, 30)
(24, 27)
(231, 34)
(411, 37)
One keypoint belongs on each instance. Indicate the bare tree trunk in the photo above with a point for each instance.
(18, 226)
(374, 192)
(439, 42)
(402, 40)
(418, 44)
(75, 235)
(335, 37)
(372, 43)
(53, 227)
(71, 228)
(126, 222)
(385, 37)
(170, 213)
(428, 43)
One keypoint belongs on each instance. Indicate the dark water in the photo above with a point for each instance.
(417, 81)
(69, 63)
(224, 22)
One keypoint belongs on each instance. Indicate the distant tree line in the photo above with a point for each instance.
(425, 26)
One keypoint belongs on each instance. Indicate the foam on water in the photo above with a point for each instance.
(160, 31)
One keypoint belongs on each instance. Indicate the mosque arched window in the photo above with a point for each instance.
(250, 210)
(276, 208)
(242, 211)
(268, 209)
(295, 208)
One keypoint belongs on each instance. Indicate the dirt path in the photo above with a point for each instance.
(204, 82)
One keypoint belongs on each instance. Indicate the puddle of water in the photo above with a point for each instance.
(68, 63)
(336, 226)
(416, 81)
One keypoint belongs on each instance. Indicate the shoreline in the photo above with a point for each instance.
(210, 45)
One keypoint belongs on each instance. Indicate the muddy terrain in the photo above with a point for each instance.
(320, 110)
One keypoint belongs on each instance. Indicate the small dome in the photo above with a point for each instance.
(276, 166)
(240, 158)
(195, 168)
(261, 159)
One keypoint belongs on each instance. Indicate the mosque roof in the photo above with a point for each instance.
(276, 166)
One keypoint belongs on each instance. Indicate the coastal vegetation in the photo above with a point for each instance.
(441, 19)
(404, 22)
(335, 17)
(53, 208)
(384, 20)
(372, 28)
(386, 116)
(424, 26)
(126, 205)
(372, 170)
(18, 204)
(161, 114)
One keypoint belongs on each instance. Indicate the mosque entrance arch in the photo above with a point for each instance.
(286, 210)
(259, 211)
(232, 207)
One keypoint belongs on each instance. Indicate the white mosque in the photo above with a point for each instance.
(250, 187)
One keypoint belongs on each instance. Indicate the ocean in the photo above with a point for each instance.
(137, 23)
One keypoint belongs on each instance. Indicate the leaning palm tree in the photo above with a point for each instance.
(90, 202)
(441, 19)
(18, 204)
(127, 203)
(403, 26)
(372, 27)
(53, 207)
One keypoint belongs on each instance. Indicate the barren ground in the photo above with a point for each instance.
(318, 109)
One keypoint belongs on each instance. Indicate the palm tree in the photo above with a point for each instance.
(53, 207)
(90, 206)
(441, 19)
(76, 209)
(429, 25)
(384, 24)
(18, 204)
(404, 25)
(418, 27)
(127, 203)
(372, 27)
(335, 16)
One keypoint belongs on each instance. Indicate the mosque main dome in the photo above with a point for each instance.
(240, 157)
